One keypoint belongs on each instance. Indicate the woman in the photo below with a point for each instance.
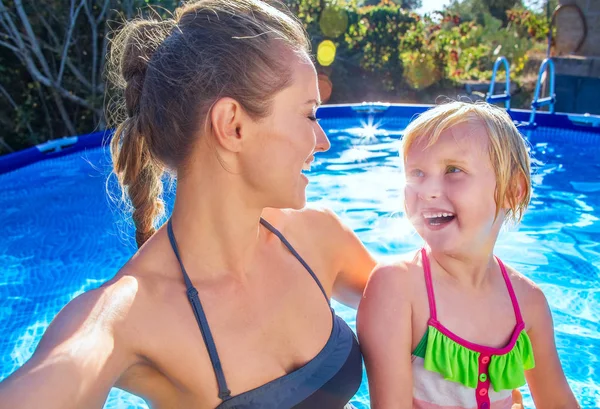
(224, 95)
(217, 308)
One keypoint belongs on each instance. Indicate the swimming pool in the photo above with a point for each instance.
(63, 236)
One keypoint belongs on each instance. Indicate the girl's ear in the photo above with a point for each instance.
(515, 192)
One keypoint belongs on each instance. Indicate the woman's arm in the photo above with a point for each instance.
(350, 263)
(80, 357)
(385, 335)
(547, 382)
(355, 266)
(340, 260)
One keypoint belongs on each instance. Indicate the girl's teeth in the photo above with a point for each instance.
(434, 215)
(306, 166)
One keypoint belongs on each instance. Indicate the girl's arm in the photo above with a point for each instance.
(547, 382)
(385, 335)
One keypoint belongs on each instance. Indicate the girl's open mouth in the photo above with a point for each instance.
(438, 218)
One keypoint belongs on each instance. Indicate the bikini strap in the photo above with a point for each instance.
(429, 284)
(431, 296)
(511, 292)
(295, 253)
(192, 294)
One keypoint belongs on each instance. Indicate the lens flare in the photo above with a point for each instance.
(333, 21)
(325, 87)
(326, 53)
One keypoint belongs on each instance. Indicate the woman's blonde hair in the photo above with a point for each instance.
(507, 148)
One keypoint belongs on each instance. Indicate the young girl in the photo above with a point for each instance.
(454, 327)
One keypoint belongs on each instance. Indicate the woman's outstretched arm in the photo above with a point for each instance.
(81, 355)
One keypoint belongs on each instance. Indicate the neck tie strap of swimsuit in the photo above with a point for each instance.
(192, 293)
(295, 254)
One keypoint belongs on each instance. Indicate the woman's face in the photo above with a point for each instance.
(285, 142)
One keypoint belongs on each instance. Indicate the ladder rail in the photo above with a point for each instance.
(493, 98)
(550, 100)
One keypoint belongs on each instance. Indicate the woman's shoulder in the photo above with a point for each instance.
(312, 219)
(316, 229)
(331, 248)
(94, 324)
(107, 308)
(100, 308)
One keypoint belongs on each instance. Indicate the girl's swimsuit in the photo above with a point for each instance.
(328, 381)
(452, 373)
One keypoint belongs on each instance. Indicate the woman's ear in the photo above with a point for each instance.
(227, 119)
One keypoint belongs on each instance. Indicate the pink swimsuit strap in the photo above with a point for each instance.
(431, 295)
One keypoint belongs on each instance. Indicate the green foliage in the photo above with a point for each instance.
(369, 46)
(397, 50)
(498, 8)
(405, 4)
(383, 50)
(468, 10)
(528, 24)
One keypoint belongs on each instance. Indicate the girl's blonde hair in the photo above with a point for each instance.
(507, 148)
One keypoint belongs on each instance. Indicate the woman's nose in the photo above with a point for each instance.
(323, 143)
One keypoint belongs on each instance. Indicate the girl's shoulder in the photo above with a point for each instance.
(403, 277)
(532, 301)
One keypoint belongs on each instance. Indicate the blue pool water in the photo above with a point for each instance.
(62, 236)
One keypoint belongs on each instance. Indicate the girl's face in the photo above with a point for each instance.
(450, 189)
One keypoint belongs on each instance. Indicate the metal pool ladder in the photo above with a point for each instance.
(550, 100)
(492, 98)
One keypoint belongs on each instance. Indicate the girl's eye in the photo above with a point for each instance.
(313, 118)
(453, 169)
(416, 173)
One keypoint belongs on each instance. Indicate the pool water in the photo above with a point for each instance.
(62, 235)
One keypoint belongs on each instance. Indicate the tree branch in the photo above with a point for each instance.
(63, 112)
(47, 26)
(75, 71)
(77, 74)
(10, 47)
(4, 92)
(73, 18)
(6, 145)
(12, 103)
(47, 116)
(103, 12)
(104, 48)
(94, 27)
(34, 44)
(9, 25)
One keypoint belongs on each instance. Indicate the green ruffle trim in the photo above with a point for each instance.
(451, 360)
(508, 371)
(457, 363)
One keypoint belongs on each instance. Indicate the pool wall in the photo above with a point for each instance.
(394, 116)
